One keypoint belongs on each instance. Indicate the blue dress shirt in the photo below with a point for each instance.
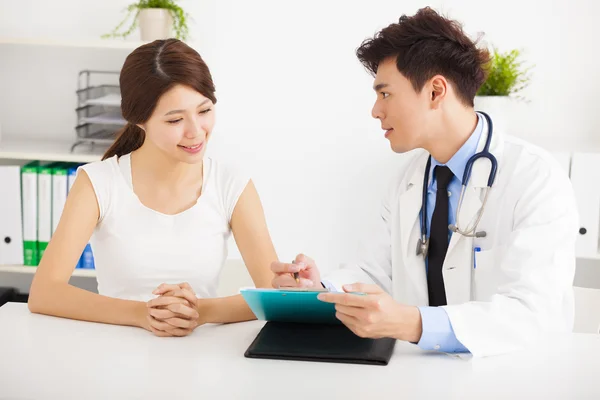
(437, 329)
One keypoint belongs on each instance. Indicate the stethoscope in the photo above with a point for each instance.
(423, 242)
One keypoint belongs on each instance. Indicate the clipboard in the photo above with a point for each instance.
(290, 305)
(300, 327)
(318, 343)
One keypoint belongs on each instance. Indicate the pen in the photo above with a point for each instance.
(296, 275)
(475, 250)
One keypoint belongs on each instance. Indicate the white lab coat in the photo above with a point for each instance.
(522, 283)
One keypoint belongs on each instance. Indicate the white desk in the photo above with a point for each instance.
(45, 357)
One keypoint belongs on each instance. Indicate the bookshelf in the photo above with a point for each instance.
(30, 150)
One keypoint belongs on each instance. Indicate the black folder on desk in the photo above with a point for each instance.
(318, 342)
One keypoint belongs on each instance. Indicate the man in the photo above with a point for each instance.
(487, 294)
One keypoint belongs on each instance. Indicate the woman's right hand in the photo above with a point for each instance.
(308, 273)
(171, 316)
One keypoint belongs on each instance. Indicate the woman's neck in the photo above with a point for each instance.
(152, 163)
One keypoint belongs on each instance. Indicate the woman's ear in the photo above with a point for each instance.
(142, 127)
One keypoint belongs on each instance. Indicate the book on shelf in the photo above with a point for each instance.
(44, 191)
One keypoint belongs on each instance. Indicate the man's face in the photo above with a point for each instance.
(401, 110)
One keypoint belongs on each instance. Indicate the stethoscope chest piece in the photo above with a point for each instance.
(422, 247)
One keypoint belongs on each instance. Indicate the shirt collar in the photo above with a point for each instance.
(458, 162)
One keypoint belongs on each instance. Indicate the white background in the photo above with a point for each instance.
(293, 101)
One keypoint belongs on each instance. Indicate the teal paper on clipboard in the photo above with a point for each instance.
(289, 306)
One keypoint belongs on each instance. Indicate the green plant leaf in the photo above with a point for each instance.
(506, 74)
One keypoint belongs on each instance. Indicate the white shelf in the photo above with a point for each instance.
(84, 43)
(91, 43)
(22, 269)
(589, 257)
(48, 151)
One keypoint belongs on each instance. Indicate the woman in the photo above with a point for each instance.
(158, 212)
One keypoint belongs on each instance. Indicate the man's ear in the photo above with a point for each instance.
(438, 88)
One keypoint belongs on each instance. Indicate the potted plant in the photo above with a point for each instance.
(157, 19)
(507, 77)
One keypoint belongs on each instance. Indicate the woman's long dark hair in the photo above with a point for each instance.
(148, 72)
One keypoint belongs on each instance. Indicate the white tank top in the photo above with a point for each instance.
(136, 248)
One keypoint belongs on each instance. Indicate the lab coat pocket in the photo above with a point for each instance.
(486, 273)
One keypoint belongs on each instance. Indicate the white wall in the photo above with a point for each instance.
(294, 103)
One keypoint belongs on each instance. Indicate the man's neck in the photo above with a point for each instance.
(454, 131)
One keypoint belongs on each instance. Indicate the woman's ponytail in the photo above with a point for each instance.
(130, 138)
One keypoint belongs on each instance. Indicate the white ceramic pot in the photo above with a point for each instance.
(499, 108)
(155, 23)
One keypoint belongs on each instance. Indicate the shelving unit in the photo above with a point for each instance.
(48, 151)
(30, 149)
(22, 269)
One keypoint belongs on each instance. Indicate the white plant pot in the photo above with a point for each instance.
(499, 108)
(155, 23)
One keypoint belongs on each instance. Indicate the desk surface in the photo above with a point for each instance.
(45, 357)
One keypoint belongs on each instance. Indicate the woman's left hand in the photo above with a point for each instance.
(164, 310)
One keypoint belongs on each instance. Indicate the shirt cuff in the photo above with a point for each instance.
(437, 331)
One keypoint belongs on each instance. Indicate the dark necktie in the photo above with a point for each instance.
(438, 239)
